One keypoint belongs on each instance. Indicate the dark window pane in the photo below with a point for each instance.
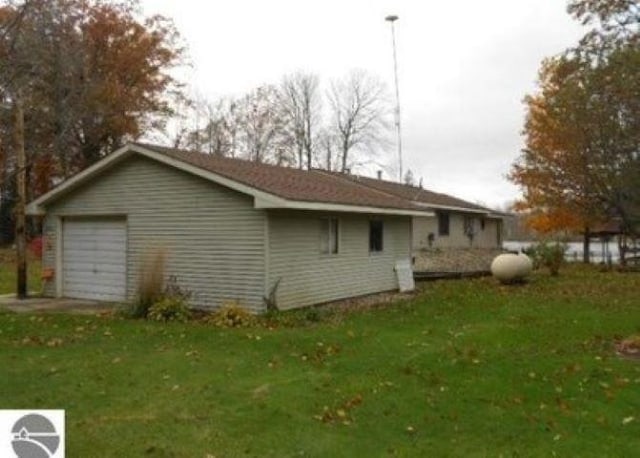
(443, 223)
(333, 224)
(375, 236)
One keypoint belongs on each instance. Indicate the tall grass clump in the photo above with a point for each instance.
(150, 282)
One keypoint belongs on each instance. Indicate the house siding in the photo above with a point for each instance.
(49, 246)
(213, 237)
(423, 226)
(308, 277)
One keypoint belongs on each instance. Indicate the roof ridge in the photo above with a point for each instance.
(288, 182)
(215, 156)
(368, 181)
(344, 177)
(397, 194)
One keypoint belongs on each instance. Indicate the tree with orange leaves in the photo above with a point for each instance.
(93, 75)
(554, 168)
(581, 162)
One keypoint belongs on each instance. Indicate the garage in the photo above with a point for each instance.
(94, 258)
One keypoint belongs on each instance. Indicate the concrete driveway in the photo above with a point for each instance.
(45, 304)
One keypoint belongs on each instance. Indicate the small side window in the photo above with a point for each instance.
(329, 234)
(443, 223)
(376, 236)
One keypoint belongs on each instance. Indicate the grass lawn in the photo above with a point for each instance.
(467, 368)
(8, 272)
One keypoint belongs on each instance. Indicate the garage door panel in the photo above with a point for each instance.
(95, 291)
(87, 256)
(93, 288)
(86, 269)
(94, 259)
(82, 276)
(95, 241)
(101, 243)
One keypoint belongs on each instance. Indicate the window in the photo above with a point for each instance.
(482, 224)
(329, 234)
(376, 236)
(469, 226)
(443, 223)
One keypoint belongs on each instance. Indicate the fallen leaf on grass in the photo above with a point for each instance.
(627, 420)
(261, 391)
(55, 342)
(342, 413)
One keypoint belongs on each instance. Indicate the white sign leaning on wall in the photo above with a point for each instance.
(404, 273)
(32, 433)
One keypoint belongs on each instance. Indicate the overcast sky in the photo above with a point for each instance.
(464, 68)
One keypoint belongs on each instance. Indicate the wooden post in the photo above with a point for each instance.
(21, 236)
(586, 245)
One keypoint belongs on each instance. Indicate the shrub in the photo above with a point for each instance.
(532, 252)
(173, 289)
(551, 255)
(150, 283)
(170, 309)
(231, 315)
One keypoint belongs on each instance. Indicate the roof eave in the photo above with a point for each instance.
(452, 208)
(262, 199)
(286, 204)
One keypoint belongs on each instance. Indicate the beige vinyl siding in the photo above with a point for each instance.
(309, 277)
(49, 253)
(212, 236)
(423, 226)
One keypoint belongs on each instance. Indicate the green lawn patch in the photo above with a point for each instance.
(467, 368)
(8, 272)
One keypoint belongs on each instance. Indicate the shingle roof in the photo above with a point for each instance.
(289, 183)
(414, 193)
(318, 185)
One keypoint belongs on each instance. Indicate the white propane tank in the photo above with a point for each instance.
(509, 268)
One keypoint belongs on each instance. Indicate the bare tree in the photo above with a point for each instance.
(327, 150)
(359, 115)
(408, 178)
(221, 128)
(261, 127)
(300, 102)
(209, 126)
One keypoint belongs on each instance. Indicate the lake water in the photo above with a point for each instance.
(574, 250)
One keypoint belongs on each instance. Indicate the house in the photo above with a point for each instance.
(460, 236)
(456, 224)
(230, 230)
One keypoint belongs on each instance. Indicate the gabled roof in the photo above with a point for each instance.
(271, 186)
(289, 183)
(282, 187)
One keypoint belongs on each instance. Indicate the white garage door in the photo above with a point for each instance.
(94, 259)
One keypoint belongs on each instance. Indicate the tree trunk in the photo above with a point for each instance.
(586, 245)
(345, 151)
(622, 249)
(21, 236)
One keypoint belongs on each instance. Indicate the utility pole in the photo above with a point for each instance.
(21, 176)
(392, 18)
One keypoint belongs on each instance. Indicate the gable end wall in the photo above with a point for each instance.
(213, 237)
